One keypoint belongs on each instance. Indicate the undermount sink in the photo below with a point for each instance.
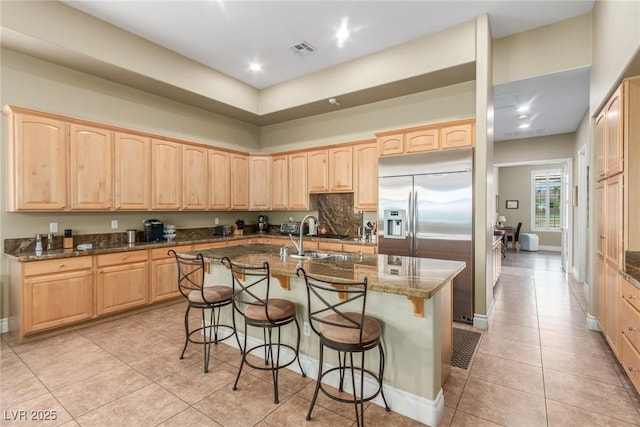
(322, 256)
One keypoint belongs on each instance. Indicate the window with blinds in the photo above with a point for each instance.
(546, 200)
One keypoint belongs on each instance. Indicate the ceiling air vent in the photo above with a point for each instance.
(303, 48)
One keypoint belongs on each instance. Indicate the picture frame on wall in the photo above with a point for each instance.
(512, 204)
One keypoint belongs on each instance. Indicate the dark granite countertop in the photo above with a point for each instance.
(23, 249)
(408, 276)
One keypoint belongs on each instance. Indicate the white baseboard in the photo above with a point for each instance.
(481, 321)
(550, 248)
(425, 411)
(4, 325)
(592, 323)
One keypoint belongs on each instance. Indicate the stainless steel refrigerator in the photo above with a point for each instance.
(425, 210)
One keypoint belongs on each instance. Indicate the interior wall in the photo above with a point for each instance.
(544, 50)
(360, 123)
(515, 184)
(616, 42)
(528, 150)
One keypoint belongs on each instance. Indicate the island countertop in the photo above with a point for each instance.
(400, 275)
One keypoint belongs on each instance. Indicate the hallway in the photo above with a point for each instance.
(538, 364)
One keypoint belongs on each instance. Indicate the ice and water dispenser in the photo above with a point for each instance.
(395, 223)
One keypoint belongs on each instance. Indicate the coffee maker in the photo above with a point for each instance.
(153, 230)
(262, 224)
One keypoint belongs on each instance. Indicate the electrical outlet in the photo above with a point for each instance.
(53, 227)
(306, 330)
(216, 221)
(114, 224)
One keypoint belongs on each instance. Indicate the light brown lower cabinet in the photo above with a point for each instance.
(164, 274)
(629, 332)
(122, 281)
(55, 293)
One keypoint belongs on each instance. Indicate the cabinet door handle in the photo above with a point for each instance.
(632, 297)
(632, 369)
(632, 329)
(124, 257)
(61, 266)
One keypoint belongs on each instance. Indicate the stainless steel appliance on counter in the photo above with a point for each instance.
(425, 210)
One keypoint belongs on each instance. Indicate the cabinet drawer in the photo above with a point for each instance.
(630, 323)
(328, 246)
(57, 265)
(212, 245)
(122, 258)
(359, 249)
(630, 362)
(161, 253)
(630, 293)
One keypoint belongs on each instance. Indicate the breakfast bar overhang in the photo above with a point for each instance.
(410, 296)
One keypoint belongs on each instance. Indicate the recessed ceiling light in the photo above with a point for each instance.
(343, 32)
(524, 126)
(522, 116)
(255, 67)
(523, 109)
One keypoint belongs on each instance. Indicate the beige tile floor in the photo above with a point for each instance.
(537, 365)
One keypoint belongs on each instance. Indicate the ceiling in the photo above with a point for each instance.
(228, 35)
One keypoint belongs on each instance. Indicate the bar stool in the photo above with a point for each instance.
(251, 287)
(212, 298)
(347, 332)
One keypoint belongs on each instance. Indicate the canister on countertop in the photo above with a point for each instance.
(284, 252)
(67, 241)
(131, 235)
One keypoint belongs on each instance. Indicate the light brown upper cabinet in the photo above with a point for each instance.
(599, 147)
(390, 145)
(166, 175)
(422, 140)
(457, 136)
(365, 167)
(280, 182)
(298, 198)
(341, 169)
(194, 177)
(37, 165)
(318, 171)
(609, 138)
(91, 167)
(439, 136)
(132, 171)
(239, 181)
(614, 142)
(219, 180)
(259, 182)
(330, 170)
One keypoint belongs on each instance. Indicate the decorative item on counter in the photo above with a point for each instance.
(284, 253)
(67, 241)
(322, 230)
(239, 227)
(169, 232)
(131, 235)
(38, 244)
(49, 241)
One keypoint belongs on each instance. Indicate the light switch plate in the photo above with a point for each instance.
(114, 224)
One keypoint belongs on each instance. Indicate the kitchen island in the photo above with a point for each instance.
(411, 297)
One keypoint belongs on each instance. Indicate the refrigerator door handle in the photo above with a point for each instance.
(414, 226)
(409, 227)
